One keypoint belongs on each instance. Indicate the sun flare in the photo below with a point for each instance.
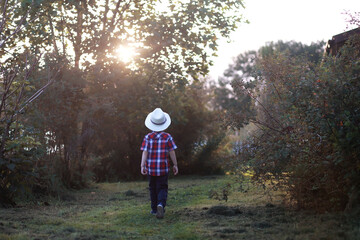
(126, 53)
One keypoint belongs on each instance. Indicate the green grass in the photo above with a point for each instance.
(121, 211)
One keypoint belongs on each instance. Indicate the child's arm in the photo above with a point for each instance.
(143, 162)
(173, 158)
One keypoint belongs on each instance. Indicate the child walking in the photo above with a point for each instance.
(157, 146)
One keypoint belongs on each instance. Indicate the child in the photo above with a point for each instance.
(157, 146)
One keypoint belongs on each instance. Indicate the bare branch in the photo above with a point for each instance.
(265, 109)
(33, 65)
(40, 91)
(17, 30)
(53, 34)
(7, 85)
(277, 91)
(19, 27)
(3, 17)
(265, 125)
(123, 9)
(116, 10)
(105, 15)
(10, 94)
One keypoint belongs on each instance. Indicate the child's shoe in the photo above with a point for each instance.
(160, 211)
(152, 212)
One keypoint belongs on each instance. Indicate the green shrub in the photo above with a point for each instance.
(308, 141)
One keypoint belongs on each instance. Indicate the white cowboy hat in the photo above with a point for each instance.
(157, 120)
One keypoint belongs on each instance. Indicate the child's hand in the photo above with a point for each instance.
(175, 169)
(143, 171)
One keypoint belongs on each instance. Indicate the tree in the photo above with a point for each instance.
(303, 145)
(18, 145)
(174, 49)
(240, 86)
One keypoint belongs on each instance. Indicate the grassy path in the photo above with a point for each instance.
(121, 211)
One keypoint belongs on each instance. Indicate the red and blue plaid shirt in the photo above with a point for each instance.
(158, 145)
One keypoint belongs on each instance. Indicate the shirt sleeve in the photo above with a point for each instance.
(145, 145)
(171, 144)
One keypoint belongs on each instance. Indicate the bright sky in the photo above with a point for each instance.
(303, 21)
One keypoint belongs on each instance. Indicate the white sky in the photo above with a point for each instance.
(303, 21)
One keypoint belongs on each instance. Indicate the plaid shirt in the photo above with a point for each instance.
(158, 145)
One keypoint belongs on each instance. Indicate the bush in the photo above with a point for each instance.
(308, 141)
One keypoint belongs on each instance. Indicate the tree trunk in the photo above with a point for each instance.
(78, 41)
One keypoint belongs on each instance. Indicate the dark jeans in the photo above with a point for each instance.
(158, 186)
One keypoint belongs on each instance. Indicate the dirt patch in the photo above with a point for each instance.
(67, 197)
(269, 205)
(230, 230)
(269, 221)
(130, 193)
(212, 224)
(262, 225)
(224, 211)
